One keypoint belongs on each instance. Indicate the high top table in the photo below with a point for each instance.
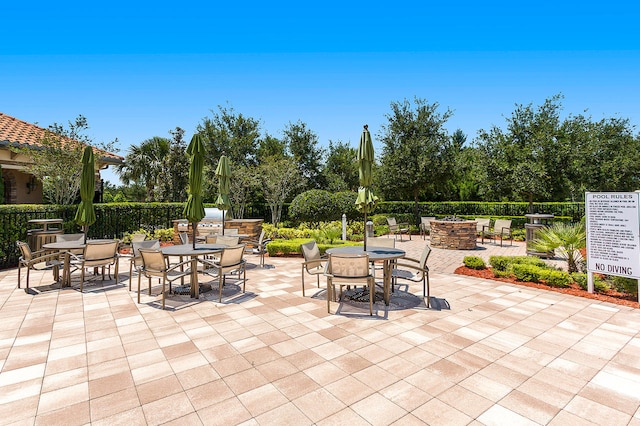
(182, 250)
(385, 254)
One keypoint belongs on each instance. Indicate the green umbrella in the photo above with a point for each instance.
(85, 215)
(223, 172)
(366, 201)
(194, 209)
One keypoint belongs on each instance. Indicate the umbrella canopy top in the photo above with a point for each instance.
(223, 172)
(86, 215)
(366, 200)
(194, 209)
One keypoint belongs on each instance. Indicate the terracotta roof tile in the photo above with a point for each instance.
(14, 131)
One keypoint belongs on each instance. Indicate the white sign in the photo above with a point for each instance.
(613, 233)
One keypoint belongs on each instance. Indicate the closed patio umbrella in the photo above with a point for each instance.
(223, 172)
(86, 215)
(194, 209)
(366, 200)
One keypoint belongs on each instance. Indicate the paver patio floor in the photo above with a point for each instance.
(494, 354)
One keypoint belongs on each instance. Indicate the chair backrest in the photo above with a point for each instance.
(482, 224)
(311, 254)
(425, 256)
(100, 250)
(25, 250)
(261, 238)
(153, 260)
(382, 242)
(228, 240)
(184, 238)
(147, 244)
(138, 237)
(231, 256)
(210, 239)
(425, 222)
(502, 223)
(70, 237)
(349, 265)
(391, 221)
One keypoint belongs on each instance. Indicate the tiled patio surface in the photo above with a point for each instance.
(499, 355)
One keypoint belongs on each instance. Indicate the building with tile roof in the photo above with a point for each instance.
(20, 187)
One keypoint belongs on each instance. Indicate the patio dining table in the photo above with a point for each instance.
(182, 250)
(65, 248)
(384, 254)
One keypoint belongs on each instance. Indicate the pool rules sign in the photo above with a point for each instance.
(613, 234)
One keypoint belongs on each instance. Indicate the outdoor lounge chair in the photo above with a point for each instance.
(349, 269)
(398, 228)
(483, 227)
(37, 260)
(425, 225)
(415, 270)
(231, 262)
(314, 263)
(154, 264)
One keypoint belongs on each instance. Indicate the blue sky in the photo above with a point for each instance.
(139, 69)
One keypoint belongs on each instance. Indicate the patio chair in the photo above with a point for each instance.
(184, 238)
(37, 260)
(425, 226)
(398, 228)
(138, 237)
(228, 240)
(349, 269)
(97, 254)
(231, 262)
(415, 270)
(210, 239)
(154, 264)
(483, 227)
(502, 228)
(314, 262)
(135, 260)
(259, 246)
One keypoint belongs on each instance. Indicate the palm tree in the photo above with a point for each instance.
(567, 238)
(143, 163)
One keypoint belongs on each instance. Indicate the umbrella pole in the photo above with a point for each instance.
(365, 231)
(194, 229)
(222, 222)
(85, 228)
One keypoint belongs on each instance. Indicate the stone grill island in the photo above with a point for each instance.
(453, 233)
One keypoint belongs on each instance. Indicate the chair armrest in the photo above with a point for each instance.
(51, 257)
(410, 266)
(173, 267)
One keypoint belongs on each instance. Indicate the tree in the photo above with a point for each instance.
(271, 146)
(244, 182)
(144, 164)
(59, 163)
(173, 177)
(567, 238)
(415, 154)
(231, 134)
(280, 179)
(527, 160)
(341, 168)
(303, 145)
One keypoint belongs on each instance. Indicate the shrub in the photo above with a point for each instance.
(500, 274)
(126, 238)
(624, 284)
(500, 263)
(598, 283)
(163, 234)
(524, 272)
(474, 262)
(556, 278)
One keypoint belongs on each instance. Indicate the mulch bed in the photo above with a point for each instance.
(610, 296)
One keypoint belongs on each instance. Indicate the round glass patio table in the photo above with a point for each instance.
(384, 254)
(182, 250)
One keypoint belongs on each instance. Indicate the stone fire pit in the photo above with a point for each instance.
(453, 234)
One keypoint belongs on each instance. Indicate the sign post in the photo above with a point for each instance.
(613, 234)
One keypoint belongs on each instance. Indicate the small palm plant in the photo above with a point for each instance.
(568, 239)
